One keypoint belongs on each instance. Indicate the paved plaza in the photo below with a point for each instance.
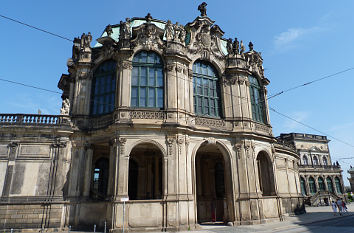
(316, 220)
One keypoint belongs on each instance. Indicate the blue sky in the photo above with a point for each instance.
(299, 41)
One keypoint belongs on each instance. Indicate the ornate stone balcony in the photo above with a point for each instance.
(34, 120)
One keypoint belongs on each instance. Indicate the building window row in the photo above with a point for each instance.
(147, 87)
(321, 186)
(315, 160)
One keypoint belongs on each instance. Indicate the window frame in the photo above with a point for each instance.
(207, 100)
(258, 108)
(100, 97)
(144, 86)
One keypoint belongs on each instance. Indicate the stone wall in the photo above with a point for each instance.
(32, 216)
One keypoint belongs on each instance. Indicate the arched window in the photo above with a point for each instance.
(206, 87)
(257, 100)
(338, 185)
(265, 174)
(312, 185)
(103, 88)
(147, 81)
(315, 160)
(321, 184)
(303, 186)
(325, 162)
(329, 185)
(100, 178)
(305, 160)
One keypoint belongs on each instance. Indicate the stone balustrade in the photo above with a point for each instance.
(33, 119)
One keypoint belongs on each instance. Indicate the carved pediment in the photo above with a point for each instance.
(205, 37)
(147, 34)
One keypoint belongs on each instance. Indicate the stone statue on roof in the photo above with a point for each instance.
(250, 45)
(202, 9)
(124, 30)
(242, 48)
(235, 46)
(169, 30)
(65, 107)
(229, 46)
(109, 30)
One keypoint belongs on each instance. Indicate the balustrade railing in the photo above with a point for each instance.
(320, 166)
(33, 119)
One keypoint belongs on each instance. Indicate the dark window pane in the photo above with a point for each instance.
(143, 80)
(151, 97)
(151, 77)
(159, 77)
(135, 76)
(160, 97)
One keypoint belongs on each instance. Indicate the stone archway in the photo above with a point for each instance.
(213, 185)
(145, 172)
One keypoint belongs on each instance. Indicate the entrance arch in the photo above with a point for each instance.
(213, 185)
(145, 172)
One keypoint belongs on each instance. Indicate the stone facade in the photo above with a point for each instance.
(173, 117)
(351, 178)
(321, 181)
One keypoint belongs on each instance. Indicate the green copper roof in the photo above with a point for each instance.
(133, 23)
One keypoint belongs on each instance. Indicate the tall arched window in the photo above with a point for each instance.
(312, 185)
(257, 100)
(147, 81)
(103, 88)
(329, 185)
(321, 184)
(305, 160)
(338, 185)
(325, 162)
(303, 186)
(315, 160)
(207, 101)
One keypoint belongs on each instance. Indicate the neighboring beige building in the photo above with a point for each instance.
(173, 117)
(351, 178)
(321, 182)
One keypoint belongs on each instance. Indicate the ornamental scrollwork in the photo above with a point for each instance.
(213, 123)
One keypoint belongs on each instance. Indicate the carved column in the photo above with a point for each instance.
(244, 97)
(112, 162)
(123, 95)
(76, 169)
(307, 185)
(171, 166)
(316, 183)
(121, 169)
(88, 169)
(171, 85)
(242, 170)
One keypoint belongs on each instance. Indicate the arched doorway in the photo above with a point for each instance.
(213, 185)
(265, 174)
(145, 172)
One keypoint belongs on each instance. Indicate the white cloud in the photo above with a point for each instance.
(287, 39)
